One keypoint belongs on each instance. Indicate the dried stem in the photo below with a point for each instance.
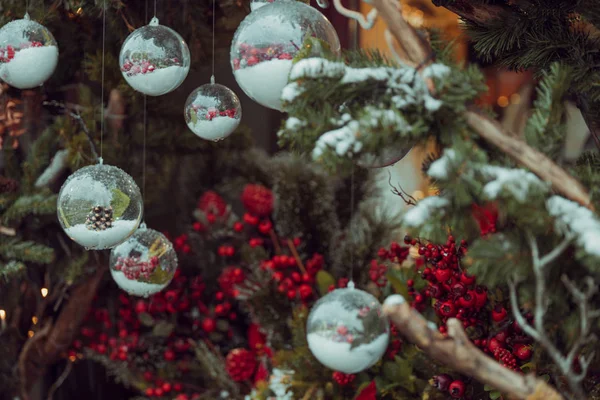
(565, 363)
(419, 52)
(407, 198)
(457, 352)
(296, 256)
(275, 241)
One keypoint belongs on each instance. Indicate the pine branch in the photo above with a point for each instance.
(11, 270)
(457, 352)
(488, 129)
(15, 249)
(43, 203)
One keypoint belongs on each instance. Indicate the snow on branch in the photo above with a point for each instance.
(424, 211)
(518, 182)
(439, 168)
(342, 140)
(573, 219)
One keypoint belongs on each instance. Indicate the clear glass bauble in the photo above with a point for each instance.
(212, 111)
(347, 331)
(143, 264)
(256, 4)
(99, 206)
(28, 53)
(266, 42)
(386, 157)
(154, 59)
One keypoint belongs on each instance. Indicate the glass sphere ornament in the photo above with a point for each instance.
(143, 264)
(347, 331)
(266, 42)
(99, 206)
(387, 156)
(154, 59)
(28, 53)
(256, 4)
(213, 111)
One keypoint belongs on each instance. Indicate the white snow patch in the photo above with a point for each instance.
(355, 75)
(134, 287)
(294, 123)
(516, 181)
(264, 82)
(419, 214)
(158, 82)
(571, 218)
(436, 70)
(106, 239)
(343, 140)
(30, 67)
(216, 129)
(339, 356)
(317, 68)
(291, 91)
(439, 168)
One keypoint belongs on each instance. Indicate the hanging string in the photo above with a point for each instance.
(145, 127)
(351, 282)
(102, 95)
(212, 77)
(154, 9)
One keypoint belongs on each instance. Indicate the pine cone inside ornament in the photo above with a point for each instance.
(99, 218)
(240, 364)
(258, 200)
(8, 185)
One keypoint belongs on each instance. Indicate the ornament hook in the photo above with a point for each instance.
(154, 22)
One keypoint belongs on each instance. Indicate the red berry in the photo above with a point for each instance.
(285, 56)
(467, 279)
(467, 300)
(457, 389)
(169, 355)
(148, 376)
(158, 392)
(523, 352)
(442, 275)
(177, 387)
(250, 219)
(499, 314)
(238, 227)
(447, 309)
(197, 226)
(265, 226)
(291, 294)
(305, 291)
(150, 392)
(494, 344)
(342, 330)
(458, 289)
(480, 297)
(141, 306)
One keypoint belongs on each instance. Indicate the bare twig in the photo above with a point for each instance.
(76, 116)
(419, 52)
(60, 380)
(537, 331)
(407, 198)
(290, 244)
(457, 352)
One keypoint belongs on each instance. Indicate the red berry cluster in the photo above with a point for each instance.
(258, 200)
(143, 66)
(290, 280)
(343, 379)
(250, 55)
(9, 52)
(378, 269)
(231, 277)
(211, 113)
(133, 268)
(240, 364)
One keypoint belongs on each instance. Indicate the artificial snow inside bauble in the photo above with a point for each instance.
(28, 53)
(212, 111)
(266, 42)
(256, 4)
(143, 264)
(154, 59)
(347, 331)
(99, 206)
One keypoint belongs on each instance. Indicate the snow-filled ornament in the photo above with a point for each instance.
(154, 59)
(212, 111)
(144, 264)
(256, 4)
(99, 206)
(347, 331)
(266, 42)
(386, 156)
(28, 53)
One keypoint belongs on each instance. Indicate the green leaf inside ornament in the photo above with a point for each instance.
(324, 281)
(120, 201)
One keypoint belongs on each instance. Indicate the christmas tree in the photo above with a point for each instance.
(489, 292)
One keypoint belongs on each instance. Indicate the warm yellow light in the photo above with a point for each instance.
(72, 358)
(515, 98)
(2, 315)
(30, 333)
(503, 101)
(79, 10)
(44, 292)
(34, 319)
(417, 194)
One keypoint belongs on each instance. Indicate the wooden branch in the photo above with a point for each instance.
(45, 346)
(475, 12)
(419, 52)
(457, 352)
